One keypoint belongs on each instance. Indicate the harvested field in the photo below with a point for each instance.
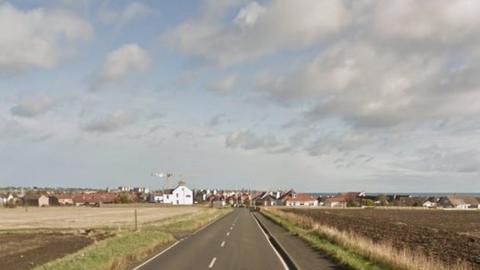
(84, 217)
(27, 250)
(448, 236)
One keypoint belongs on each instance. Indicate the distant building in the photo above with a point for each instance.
(301, 199)
(337, 201)
(460, 202)
(39, 200)
(94, 198)
(141, 190)
(124, 189)
(181, 195)
(7, 198)
(61, 199)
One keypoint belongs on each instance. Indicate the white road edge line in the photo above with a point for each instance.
(222, 244)
(212, 262)
(152, 258)
(271, 245)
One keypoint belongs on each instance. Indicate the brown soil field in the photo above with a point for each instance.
(27, 250)
(448, 236)
(84, 217)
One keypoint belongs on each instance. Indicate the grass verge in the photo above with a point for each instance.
(129, 247)
(352, 250)
(343, 255)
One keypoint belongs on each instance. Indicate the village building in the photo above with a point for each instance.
(39, 200)
(96, 199)
(61, 199)
(301, 199)
(430, 202)
(7, 198)
(459, 202)
(337, 201)
(181, 195)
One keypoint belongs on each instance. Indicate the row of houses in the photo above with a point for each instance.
(180, 195)
(360, 199)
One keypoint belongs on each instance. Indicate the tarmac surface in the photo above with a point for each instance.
(237, 241)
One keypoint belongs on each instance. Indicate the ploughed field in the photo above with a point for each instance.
(32, 237)
(448, 236)
(28, 250)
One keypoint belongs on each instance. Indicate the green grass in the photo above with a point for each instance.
(127, 248)
(343, 255)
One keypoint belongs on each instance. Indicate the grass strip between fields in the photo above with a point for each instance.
(343, 255)
(128, 247)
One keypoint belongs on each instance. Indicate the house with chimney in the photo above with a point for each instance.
(180, 195)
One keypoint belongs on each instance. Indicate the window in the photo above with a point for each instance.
(188, 196)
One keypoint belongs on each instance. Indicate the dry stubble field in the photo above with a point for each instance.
(83, 217)
(31, 238)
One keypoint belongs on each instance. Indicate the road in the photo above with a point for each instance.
(234, 242)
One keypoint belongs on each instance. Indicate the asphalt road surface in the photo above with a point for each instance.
(234, 242)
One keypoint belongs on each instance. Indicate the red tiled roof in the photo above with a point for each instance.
(301, 197)
(95, 198)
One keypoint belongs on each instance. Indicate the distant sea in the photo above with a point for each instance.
(414, 194)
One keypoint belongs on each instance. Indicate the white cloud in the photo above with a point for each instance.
(109, 123)
(368, 86)
(427, 24)
(258, 30)
(249, 141)
(443, 159)
(225, 84)
(121, 63)
(34, 106)
(132, 11)
(37, 38)
(247, 16)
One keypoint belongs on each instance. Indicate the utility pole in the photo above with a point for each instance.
(136, 222)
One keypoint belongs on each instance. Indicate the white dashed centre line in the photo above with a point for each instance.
(228, 233)
(222, 244)
(212, 262)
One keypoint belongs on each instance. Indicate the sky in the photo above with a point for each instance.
(319, 96)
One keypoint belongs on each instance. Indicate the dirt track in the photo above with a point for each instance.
(84, 217)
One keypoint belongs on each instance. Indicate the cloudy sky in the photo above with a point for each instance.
(316, 95)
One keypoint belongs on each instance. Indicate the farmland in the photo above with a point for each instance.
(39, 235)
(446, 236)
(84, 217)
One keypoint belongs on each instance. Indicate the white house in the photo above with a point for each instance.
(181, 195)
(301, 199)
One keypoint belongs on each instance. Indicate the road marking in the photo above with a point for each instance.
(222, 244)
(228, 233)
(176, 243)
(271, 245)
(212, 262)
(163, 251)
(231, 228)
